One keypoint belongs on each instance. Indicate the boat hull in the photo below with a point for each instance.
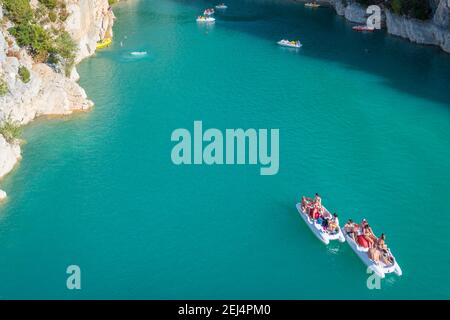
(208, 20)
(104, 44)
(289, 45)
(317, 229)
(379, 269)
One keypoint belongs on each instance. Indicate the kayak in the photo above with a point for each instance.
(104, 43)
(317, 229)
(221, 6)
(291, 44)
(205, 19)
(380, 268)
(363, 28)
(312, 5)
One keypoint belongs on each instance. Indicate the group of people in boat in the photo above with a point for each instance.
(314, 209)
(208, 12)
(364, 236)
(361, 233)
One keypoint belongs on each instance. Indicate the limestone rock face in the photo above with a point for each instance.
(432, 32)
(48, 92)
(9, 155)
(338, 6)
(355, 13)
(423, 32)
(89, 22)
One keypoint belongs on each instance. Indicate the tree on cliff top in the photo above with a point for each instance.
(418, 9)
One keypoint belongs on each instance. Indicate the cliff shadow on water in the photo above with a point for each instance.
(418, 70)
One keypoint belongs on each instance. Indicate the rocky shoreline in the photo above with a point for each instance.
(435, 31)
(48, 91)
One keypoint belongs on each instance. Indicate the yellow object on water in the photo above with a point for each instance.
(104, 43)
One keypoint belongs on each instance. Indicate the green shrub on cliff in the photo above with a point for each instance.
(19, 11)
(34, 37)
(418, 9)
(3, 87)
(42, 44)
(52, 16)
(51, 4)
(24, 74)
(370, 2)
(66, 48)
(10, 131)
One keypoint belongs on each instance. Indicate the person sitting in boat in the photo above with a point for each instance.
(374, 255)
(364, 223)
(314, 212)
(317, 200)
(381, 243)
(368, 235)
(336, 218)
(350, 229)
(386, 256)
(325, 221)
(332, 226)
(305, 204)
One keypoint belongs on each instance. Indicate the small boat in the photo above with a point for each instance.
(138, 53)
(208, 12)
(312, 5)
(317, 229)
(363, 28)
(221, 6)
(104, 43)
(287, 43)
(379, 268)
(205, 19)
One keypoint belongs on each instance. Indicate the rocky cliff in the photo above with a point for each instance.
(435, 31)
(48, 91)
(431, 32)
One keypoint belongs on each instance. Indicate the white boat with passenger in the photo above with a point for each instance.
(312, 5)
(205, 19)
(379, 258)
(318, 226)
(291, 44)
(221, 6)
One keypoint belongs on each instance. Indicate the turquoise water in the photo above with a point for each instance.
(364, 119)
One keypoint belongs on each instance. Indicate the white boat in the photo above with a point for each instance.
(363, 28)
(317, 229)
(208, 12)
(291, 44)
(380, 268)
(138, 53)
(221, 6)
(312, 5)
(205, 19)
